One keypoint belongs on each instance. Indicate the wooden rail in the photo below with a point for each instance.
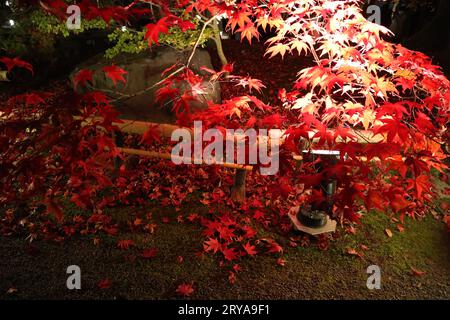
(238, 188)
(169, 156)
(165, 130)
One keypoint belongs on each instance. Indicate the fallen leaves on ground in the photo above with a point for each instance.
(185, 289)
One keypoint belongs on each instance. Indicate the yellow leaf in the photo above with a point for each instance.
(388, 232)
(369, 100)
(351, 105)
(262, 22)
(299, 46)
(236, 111)
(368, 118)
(279, 48)
(384, 86)
(407, 74)
(302, 103)
(330, 47)
(275, 23)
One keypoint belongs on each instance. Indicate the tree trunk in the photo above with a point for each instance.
(218, 41)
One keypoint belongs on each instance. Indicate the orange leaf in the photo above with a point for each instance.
(125, 244)
(353, 252)
(416, 272)
(248, 31)
(281, 262)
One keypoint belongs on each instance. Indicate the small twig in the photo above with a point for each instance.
(198, 40)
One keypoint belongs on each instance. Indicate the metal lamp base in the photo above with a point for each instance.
(312, 219)
(330, 225)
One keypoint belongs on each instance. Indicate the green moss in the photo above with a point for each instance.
(133, 41)
(309, 273)
(420, 242)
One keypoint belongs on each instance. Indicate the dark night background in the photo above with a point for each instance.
(420, 25)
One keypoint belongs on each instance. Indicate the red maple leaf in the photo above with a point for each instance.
(116, 13)
(274, 247)
(239, 18)
(166, 93)
(423, 123)
(250, 249)
(150, 135)
(125, 244)
(374, 199)
(281, 262)
(399, 203)
(232, 277)
(393, 128)
(96, 97)
(32, 99)
(115, 73)
(249, 232)
(274, 120)
(420, 184)
(149, 253)
(251, 83)
(54, 208)
(185, 289)
(10, 63)
(212, 245)
(395, 109)
(82, 77)
(154, 29)
(230, 254)
(225, 232)
(104, 284)
(186, 25)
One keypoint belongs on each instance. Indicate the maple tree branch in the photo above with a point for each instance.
(313, 51)
(128, 96)
(198, 39)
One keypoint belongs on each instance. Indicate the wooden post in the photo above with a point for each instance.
(118, 139)
(238, 188)
(4, 75)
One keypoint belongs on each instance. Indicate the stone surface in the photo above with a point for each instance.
(330, 226)
(144, 70)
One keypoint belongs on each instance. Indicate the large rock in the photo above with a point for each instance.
(144, 70)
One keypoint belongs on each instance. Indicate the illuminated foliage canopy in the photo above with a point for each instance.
(383, 106)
